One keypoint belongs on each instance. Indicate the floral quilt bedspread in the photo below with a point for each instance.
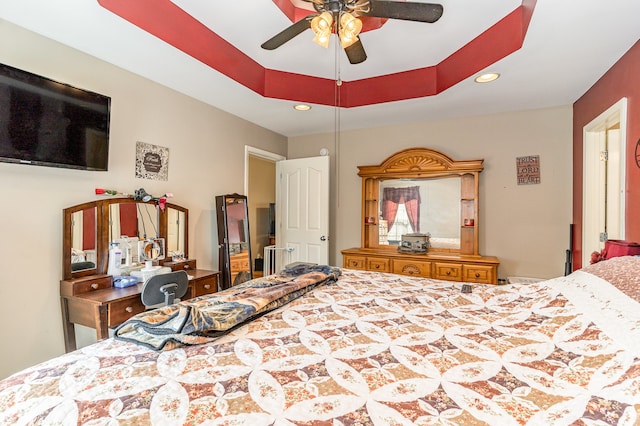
(370, 349)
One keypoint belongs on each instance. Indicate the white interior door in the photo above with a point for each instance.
(603, 204)
(302, 208)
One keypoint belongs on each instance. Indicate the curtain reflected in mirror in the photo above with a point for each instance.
(133, 220)
(233, 239)
(420, 206)
(83, 239)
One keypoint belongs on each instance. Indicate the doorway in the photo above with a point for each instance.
(603, 204)
(260, 189)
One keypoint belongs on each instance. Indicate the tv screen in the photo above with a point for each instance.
(46, 123)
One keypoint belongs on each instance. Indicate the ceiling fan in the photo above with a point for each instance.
(342, 17)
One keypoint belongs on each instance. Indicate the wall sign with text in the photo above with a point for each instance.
(152, 161)
(528, 169)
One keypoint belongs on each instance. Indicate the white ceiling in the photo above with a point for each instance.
(568, 46)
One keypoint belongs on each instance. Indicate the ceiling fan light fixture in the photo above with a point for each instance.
(349, 29)
(322, 39)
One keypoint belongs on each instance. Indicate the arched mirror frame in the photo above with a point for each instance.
(422, 163)
(102, 233)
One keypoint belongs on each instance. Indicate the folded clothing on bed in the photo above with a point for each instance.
(200, 320)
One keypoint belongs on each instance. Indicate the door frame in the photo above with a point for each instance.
(592, 133)
(257, 152)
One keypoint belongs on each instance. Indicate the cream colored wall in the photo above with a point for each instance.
(527, 227)
(206, 159)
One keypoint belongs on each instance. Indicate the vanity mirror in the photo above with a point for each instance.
(233, 239)
(82, 253)
(176, 238)
(88, 229)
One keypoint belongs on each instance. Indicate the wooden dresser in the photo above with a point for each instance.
(409, 177)
(87, 294)
(476, 269)
(94, 302)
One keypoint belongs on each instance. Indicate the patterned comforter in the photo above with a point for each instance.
(201, 319)
(370, 349)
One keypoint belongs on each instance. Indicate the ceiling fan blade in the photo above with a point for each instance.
(356, 53)
(408, 11)
(288, 33)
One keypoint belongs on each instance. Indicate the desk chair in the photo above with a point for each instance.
(163, 289)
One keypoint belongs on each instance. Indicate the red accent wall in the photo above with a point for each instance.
(622, 80)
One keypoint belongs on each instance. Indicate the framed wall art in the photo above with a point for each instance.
(152, 161)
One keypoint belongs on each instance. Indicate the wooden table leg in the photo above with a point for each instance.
(68, 328)
(102, 322)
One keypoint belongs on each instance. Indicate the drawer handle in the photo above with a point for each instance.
(207, 286)
(477, 275)
(129, 309)
(377, 266)
(448, 272)
(94, 286)
(187, 267)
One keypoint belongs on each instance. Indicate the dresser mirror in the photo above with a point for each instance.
(419, 190)
(83, 239)
(110, 219)
(134, 220)
(233, 239)
(428, 206)
(176, 237)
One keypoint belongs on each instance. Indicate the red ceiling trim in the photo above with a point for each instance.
(497, 42)
(314, 90)
(168, 22)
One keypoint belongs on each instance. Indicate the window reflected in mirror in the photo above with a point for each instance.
(427, 206)
(175, 234)
(83, 239)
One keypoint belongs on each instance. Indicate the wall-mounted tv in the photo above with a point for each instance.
(47, 123)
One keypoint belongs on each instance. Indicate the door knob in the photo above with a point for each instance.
(323, 238)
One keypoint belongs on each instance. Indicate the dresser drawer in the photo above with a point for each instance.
(204, 286)
(478, 274)
(85, 285)
(448, 271)
(122, 310)
(182, 266)
(413, 268)
(378, 264)
(355, 262)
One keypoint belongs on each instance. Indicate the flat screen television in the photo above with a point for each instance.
(47, 123)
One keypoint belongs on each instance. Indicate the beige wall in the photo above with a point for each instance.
(527, 227)
(206, 159)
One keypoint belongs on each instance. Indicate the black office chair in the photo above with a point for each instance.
(164, 289)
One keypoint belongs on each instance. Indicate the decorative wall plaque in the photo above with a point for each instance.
(152, 161)
(528, 169)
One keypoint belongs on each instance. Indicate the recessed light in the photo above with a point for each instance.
(486, 78)
(302, 107)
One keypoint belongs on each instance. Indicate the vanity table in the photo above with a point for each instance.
(440, 197)
(87, 294)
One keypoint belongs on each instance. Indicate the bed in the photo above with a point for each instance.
(373, 349)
